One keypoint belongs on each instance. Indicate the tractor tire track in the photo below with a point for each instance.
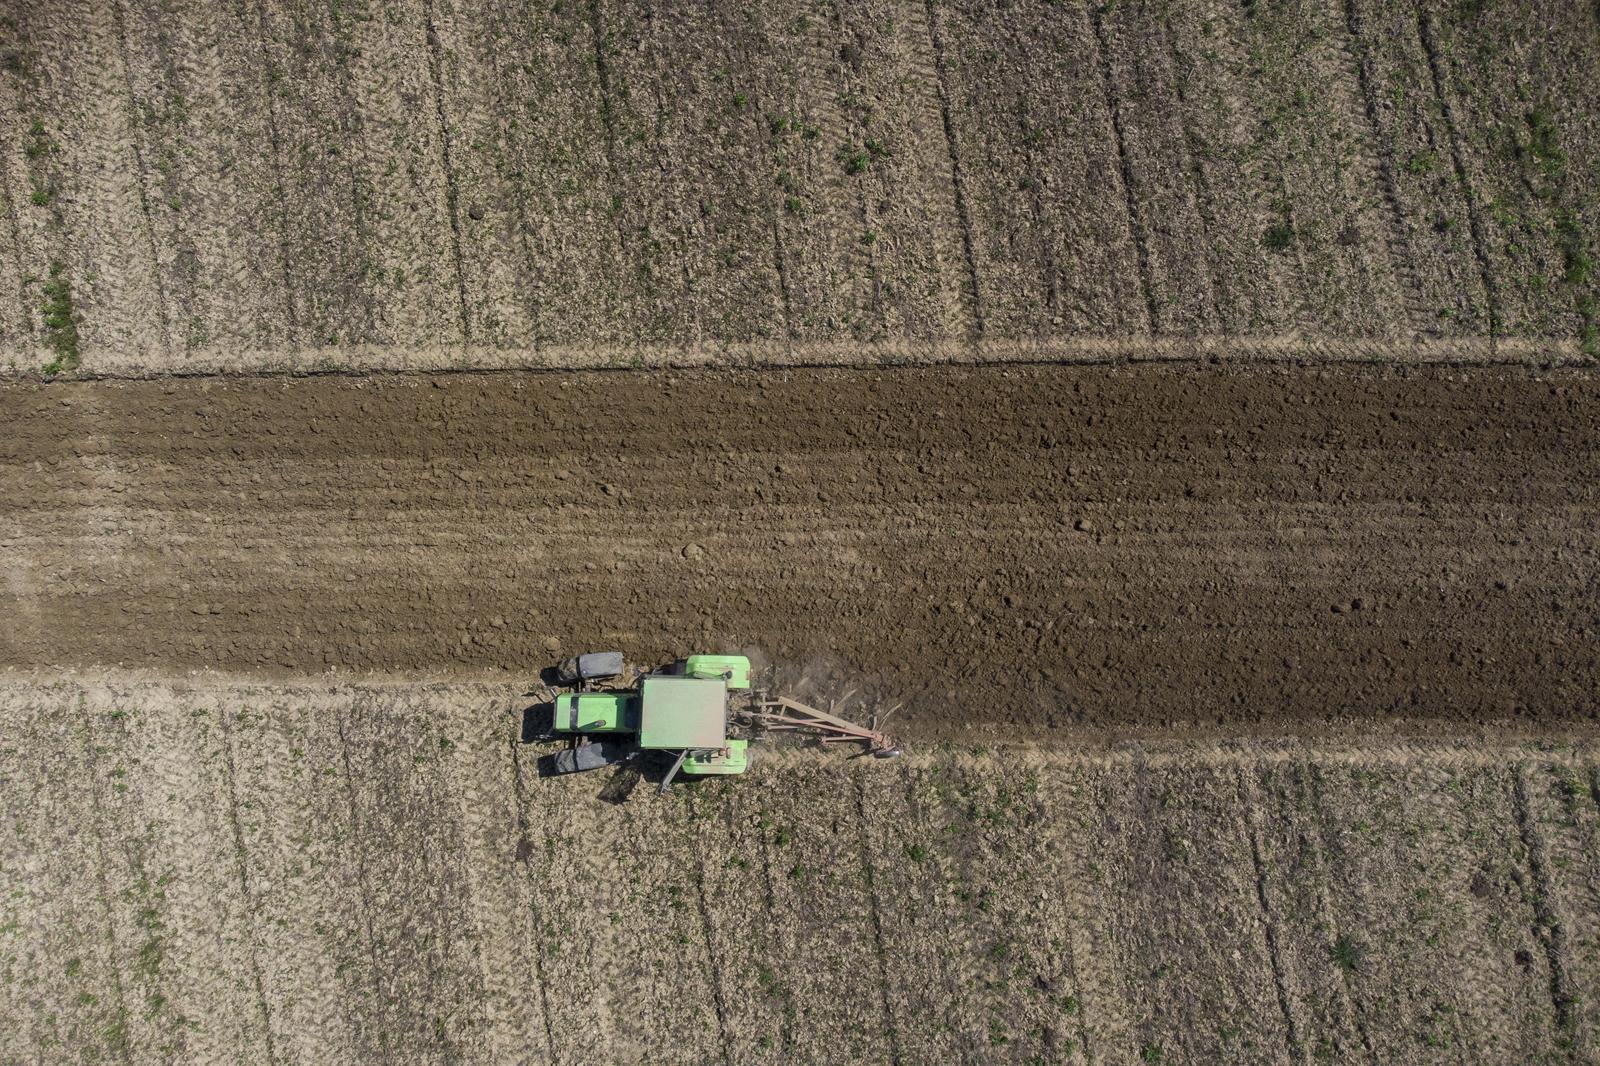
(1136, 222)
(1458, 159)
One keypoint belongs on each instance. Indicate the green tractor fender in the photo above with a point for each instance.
(734, 668)
(705, 762)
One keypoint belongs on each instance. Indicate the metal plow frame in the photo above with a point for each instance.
(781, 714)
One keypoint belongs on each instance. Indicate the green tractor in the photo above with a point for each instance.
(701, 707)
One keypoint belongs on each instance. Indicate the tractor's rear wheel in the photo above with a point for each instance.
(586, 757)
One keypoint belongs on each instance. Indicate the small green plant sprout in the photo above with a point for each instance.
(60, 322)
(38, 144)
(1151, 1054)
(1279, 236)
(1423, 162)
(857, 160)
(1346, 954)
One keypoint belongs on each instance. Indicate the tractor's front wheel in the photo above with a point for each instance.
(595, 666)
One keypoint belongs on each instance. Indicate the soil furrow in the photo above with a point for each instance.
(369, 1030)
(16, 320)
(289, 333)
(403, 193)
(119, 27)
(451, 192)
(1300, 865)
(1415, 143)
(1136, 223)
(1567, 817)
(1250, 816)
(1383, 165)
(246, 893)
(1458, 160)
(1548, 927)
(534, 945)
(716, 969)
(125, 1030)
(1129, 546)
(957, 180)
(891, 1026)
(315, 964)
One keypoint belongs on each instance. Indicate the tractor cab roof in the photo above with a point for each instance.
(683, 712)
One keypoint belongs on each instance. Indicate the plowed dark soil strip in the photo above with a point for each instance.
(1025, 549)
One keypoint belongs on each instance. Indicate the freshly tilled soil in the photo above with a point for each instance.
(1009, 550)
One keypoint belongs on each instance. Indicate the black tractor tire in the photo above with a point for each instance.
(595, 666)
(586, 757)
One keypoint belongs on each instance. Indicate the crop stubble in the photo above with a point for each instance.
(346, 873)
(1523, 120)
(432, 184)
(211, 870)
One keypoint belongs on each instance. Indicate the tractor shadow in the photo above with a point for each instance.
(647, 767)
(621, 778)
(538, 723)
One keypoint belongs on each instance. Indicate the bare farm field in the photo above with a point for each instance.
(205, 872)
(1250, 713)
(1184, 414)
(195, 187)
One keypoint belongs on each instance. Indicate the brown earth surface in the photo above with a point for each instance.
(1010, 551)
(206, 186)
(1231, 555)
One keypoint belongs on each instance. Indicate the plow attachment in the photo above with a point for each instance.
(781, 714)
